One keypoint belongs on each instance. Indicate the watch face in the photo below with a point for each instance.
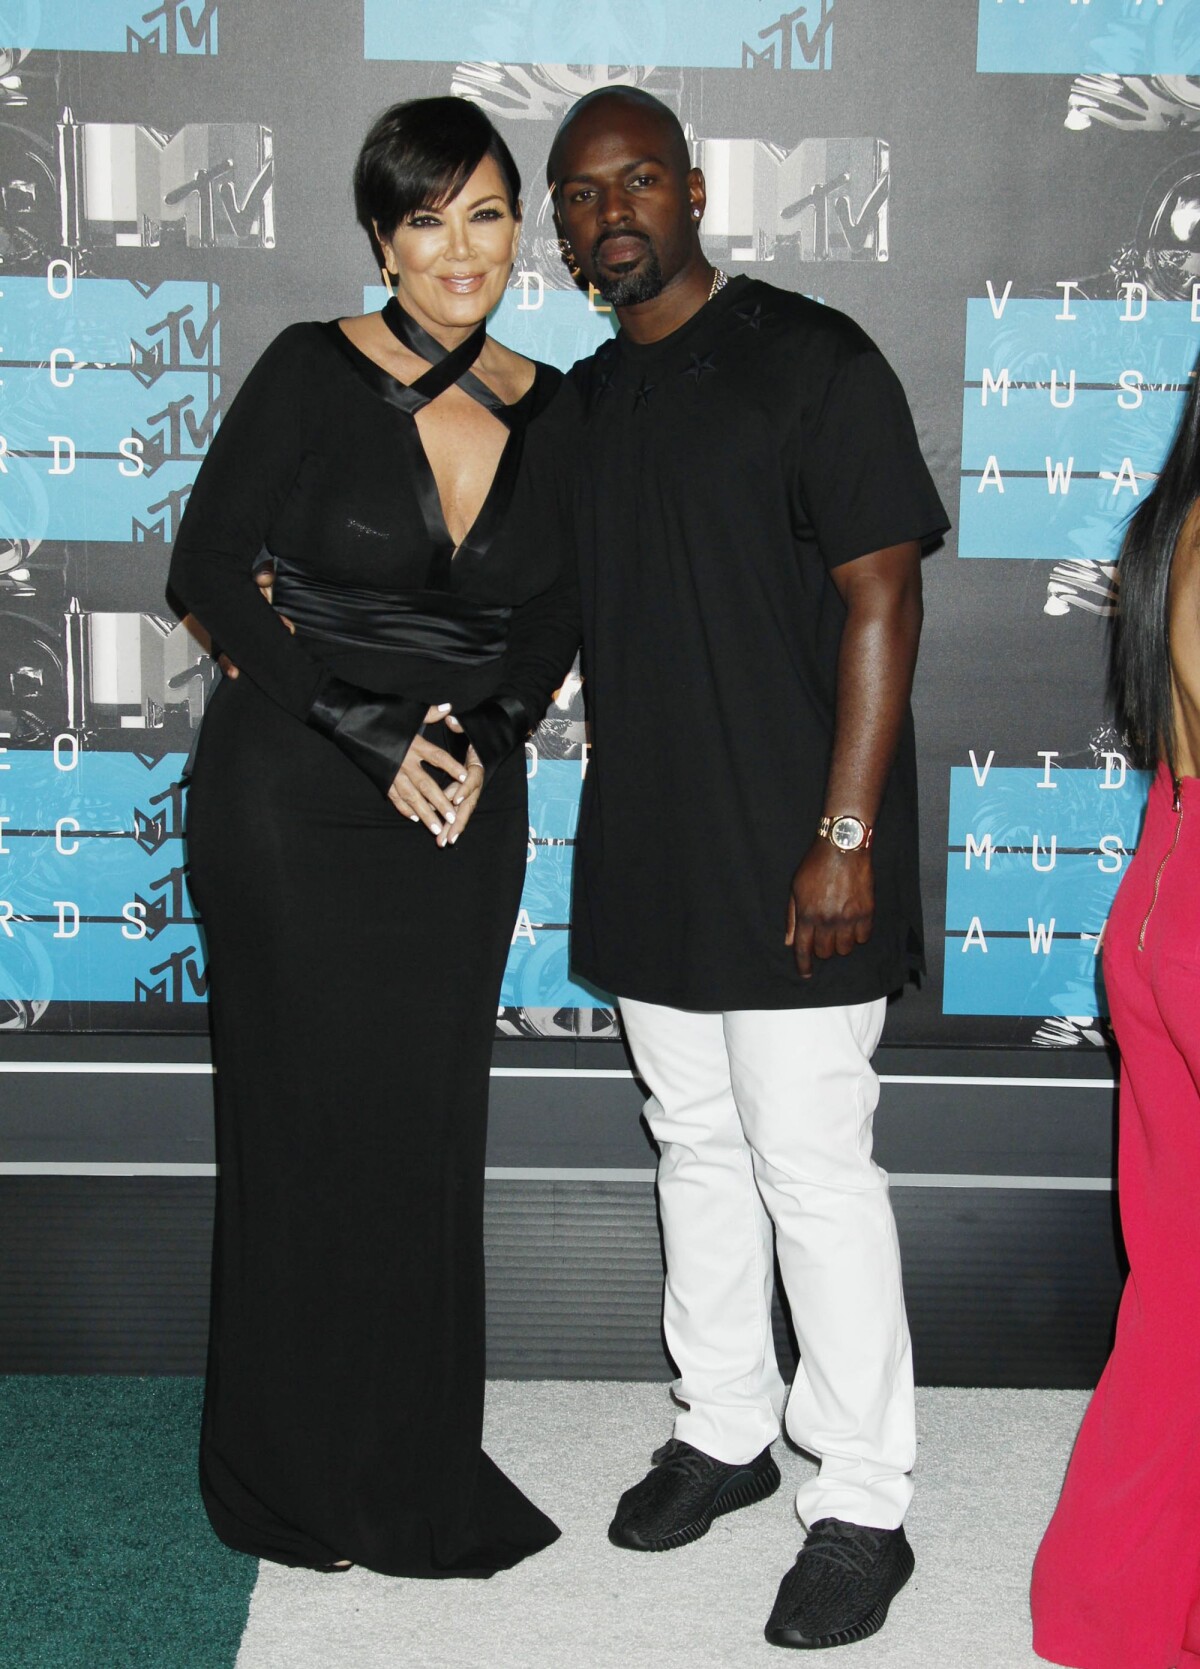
(847, 833)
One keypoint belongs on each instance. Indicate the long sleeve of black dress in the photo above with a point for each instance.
(252, 467)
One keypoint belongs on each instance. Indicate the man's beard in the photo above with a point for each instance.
(630, 288)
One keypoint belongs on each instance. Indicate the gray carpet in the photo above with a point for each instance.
(988, 1472)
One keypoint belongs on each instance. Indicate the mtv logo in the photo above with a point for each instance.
(799, 39)
(136, 667)
(176, 26)
(833, 196)
(176, 432)
(153, 996)
(166, 526)
(828, 196)
(182, 971)
(208, 186)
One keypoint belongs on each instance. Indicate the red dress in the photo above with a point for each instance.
(1116, 1583)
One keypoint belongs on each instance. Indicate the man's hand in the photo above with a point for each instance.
(264, 578)
(832, 904)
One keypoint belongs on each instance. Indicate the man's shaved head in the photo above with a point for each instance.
(628, 201)
(611, 99)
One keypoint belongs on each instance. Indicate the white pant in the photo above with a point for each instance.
(764, 1117)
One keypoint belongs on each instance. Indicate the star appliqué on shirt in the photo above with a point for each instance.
(645, 390)
(699, 365)
(754, 316)
(603, 375)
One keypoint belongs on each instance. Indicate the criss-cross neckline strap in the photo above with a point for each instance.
(446, 557)
(447, 366)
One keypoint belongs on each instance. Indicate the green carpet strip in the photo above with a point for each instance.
(108, 1557)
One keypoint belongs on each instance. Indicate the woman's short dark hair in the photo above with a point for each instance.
(419, 155)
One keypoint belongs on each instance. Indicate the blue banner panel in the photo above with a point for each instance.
(556, 326)
(94, 905)
(737, 34)
(111, 396)
(537, 975)
(170, 26)
(1064, 37)
(1069, 408)
(1034, 860)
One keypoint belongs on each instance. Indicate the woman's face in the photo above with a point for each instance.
(450, 265)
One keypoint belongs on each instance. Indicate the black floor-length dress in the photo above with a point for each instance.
(355, 966)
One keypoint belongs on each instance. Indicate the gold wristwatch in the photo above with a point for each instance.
(848, 834)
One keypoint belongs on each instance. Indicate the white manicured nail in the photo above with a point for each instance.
(443, 706)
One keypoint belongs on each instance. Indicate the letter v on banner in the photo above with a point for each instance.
(998, 306)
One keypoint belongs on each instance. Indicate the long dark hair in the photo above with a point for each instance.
(419, 155)
(1140, 660)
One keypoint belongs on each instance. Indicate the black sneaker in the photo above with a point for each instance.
(839, 1589)
(683, 1492)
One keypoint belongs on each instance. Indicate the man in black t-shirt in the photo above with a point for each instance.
(744, 486)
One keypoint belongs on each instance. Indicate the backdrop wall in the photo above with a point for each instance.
(1005, 193)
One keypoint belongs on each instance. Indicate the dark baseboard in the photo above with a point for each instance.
(1005, 1287)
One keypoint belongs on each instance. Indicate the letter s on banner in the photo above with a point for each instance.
(135, 916)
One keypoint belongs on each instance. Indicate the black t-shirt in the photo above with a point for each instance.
(718, 475)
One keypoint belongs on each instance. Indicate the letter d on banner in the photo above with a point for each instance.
(58, 467)
(63, 931)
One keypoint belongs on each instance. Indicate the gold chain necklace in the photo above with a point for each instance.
(719, 282)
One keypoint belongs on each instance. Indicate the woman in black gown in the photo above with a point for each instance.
(359, 872)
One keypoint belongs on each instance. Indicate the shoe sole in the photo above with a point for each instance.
(757, 1486)
(870, 1624)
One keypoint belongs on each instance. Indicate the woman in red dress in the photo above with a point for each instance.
(1116, 1584)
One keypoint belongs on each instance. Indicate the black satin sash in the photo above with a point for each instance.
(447, 367)
(438, 625)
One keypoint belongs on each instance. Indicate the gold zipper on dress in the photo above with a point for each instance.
(1177, 808)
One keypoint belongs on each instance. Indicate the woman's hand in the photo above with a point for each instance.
(465, 796)
(417, 795)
